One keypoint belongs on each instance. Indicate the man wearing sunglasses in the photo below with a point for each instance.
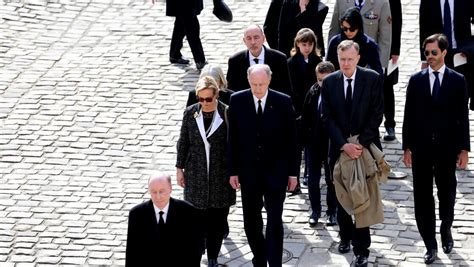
(435, 141)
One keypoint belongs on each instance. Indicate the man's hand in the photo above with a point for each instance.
(395, 58)
(407, 158)
(352, 150)
(462, 159)
(180, 177)
(292, 182)
(234, 182)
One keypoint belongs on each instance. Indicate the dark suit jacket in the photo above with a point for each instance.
(442, 121)
(278, 149)
(431, 21)
(367, 109)
(396, 10)
(239, 63)
(313, 132)
(147, 246)
(292, 20)
(205, 190)
(178, 8)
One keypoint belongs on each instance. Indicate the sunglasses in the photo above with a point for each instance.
(206, 99)
(351, 29)
(433, 52)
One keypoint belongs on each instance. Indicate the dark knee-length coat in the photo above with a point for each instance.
(204, 159)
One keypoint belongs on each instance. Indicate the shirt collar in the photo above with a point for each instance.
(352, 77)
(261, 57)
(263, 100)
(441, 70)
(165, 209)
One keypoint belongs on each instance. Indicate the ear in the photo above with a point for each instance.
(444, 52)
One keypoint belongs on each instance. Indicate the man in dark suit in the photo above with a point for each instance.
(257, 53)
(263, 161)
(456, 25)
(352, 103)
(159, 228)
(186, 24)
(435, 138)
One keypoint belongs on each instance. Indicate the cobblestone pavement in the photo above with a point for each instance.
(89, 106)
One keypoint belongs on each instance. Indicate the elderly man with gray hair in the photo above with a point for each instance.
(158, 229)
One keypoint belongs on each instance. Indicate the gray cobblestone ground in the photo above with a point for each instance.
(89, 106)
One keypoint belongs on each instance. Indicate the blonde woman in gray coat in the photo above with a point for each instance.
(201, 167)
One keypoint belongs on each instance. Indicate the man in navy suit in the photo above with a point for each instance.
(435, 139)
(159, 228)
(352, 103)
(263, 161)
(454, 19)
(257, 53)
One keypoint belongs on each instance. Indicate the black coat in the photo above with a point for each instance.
(303, 76)
(313, 132)
(239, 63)
(367, 109)
(204, 190)
(187, 8)
(148, 246)
(443, 121)
(292, 20)
(369, 53)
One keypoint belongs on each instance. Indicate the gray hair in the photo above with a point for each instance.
(159, 176)
(216, 73)
(347, 44)
(259, 67)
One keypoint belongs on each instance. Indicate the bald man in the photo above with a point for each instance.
(158, 228)
(263, 160)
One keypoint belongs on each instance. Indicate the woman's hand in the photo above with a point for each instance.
(180, 177)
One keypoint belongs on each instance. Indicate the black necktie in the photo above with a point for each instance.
(256, 60)
(447, 28)
(259, 110)
(348, 102)
(161, 222)
(436, 85)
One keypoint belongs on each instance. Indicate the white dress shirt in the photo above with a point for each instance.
(263, 101)
(433, 77)
(261, 57)
(157, 212)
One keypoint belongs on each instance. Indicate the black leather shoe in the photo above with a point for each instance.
(297, 191)
(212, 263)
(361, 261)
(344, 247)
(222, 11)
(200, 65)
(447, 242)
(331, 220)
(313, 219)
(389, 134)
(430, 256)
(179, 60)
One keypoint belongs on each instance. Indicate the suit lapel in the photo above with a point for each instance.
(426, 80)
(358, 89)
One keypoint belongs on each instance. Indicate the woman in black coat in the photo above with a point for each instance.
(201, 166)
(352, 29)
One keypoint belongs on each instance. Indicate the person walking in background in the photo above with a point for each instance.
(159, 226)
(391, 79)
(316, 142)
(262, 161)
(215, 72)
(201, 165)
(290, 18)
(352, 104)
(186, 24)
(377, 23)
(257, 53)
(352, 28)
(454, 19)
(435, 140)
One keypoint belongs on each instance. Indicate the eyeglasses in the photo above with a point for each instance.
(206, 99)
(351, 29)
(433, 52)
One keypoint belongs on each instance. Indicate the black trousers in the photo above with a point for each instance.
(187, 26)
(215, 222)
(359, 237)
(255, 196)
(442, 166)
(389, 99)
(314, 163)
